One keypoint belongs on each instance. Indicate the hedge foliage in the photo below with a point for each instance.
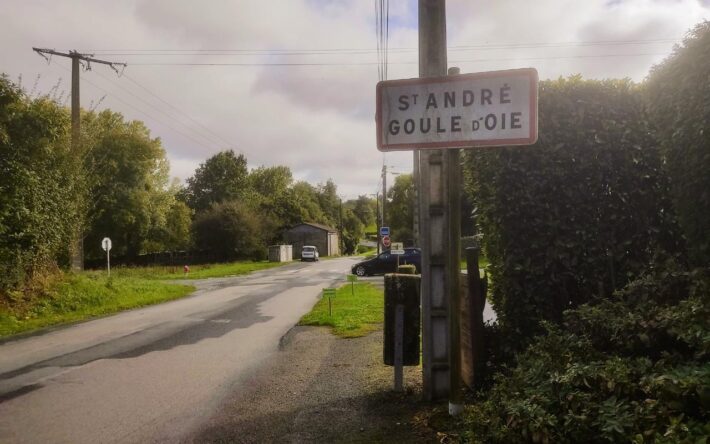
(38, 183)
(577, 215)
(633, 368)
(679, 104)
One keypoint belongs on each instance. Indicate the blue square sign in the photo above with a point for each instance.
(384, 231)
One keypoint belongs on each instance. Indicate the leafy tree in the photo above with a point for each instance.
(127, 172)
(679, 104)
(269, 192)
(400, 208)
(303, 205)
(174, 235)
(231, 230)
(353, 231)
(329, 202)
(270, 182)
(40, 186)
(223, 177)
(365, 208)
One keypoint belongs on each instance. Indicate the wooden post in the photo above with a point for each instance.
(77, 248)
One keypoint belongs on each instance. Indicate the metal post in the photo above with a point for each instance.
(108, 262)
(399, 348)
(384, 192)
(434, 218)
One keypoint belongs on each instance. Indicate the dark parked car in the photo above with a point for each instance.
(387, 263)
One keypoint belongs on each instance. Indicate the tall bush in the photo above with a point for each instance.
(577, 215)
(39, 186)
(679, 104)
(631, 368)
(231, 230)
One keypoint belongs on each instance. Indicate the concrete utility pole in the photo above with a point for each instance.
(77, 248)
(438, 188)
(384, 192)
(415, 197)
(379, 222)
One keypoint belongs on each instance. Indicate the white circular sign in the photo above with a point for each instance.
(106, 244)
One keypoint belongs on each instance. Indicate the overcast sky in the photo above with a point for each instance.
(317, 117)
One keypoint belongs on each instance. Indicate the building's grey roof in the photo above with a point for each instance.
(319, 226)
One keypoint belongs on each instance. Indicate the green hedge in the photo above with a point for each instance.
(578, 214)
(38, 186)
(679, 104)
(633, 368)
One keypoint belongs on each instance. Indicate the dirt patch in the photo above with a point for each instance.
(320, 388)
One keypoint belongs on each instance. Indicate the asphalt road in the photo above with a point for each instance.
(153, 374)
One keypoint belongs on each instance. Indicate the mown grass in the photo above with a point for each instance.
(196, 271)
(353, 315)
(82, 296)
(482, 262)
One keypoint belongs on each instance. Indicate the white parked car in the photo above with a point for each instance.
(309, 253)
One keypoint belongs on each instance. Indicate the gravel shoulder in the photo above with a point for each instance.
(321, 388)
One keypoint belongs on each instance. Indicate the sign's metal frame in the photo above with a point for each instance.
(530, 72)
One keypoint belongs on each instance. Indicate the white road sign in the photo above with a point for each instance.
(397, 248)
(483, 109)
(106, 244)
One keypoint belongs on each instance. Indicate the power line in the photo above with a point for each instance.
(209, 138)
(397, 63)
(141, 111)
(178, 110)
(316, 51)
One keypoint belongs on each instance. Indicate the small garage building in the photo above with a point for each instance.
(323, 237)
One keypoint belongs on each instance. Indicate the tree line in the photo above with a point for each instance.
(118, 185)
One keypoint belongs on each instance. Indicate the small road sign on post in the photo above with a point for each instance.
(397, 248)
(352, 279)
(106, 245)
(330, 294)
(386, 241)
(384, 231)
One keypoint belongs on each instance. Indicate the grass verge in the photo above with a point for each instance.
(354, 315)
(482, 262)
(82, 296)
(196, 271)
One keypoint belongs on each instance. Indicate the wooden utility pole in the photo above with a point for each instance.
(77, 247)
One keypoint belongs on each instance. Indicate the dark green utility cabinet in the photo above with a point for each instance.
(402, 289)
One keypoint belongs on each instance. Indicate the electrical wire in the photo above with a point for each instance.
(399, 62)
(207, 139)
(138, 109)
(214, 134)
(323, 51)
